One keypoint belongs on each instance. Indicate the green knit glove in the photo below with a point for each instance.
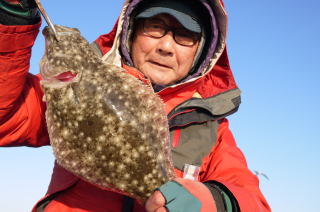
(179, 199)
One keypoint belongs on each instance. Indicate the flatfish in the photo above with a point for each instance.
(105, 126)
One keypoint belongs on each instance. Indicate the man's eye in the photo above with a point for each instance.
(184, 34)
(156, 26)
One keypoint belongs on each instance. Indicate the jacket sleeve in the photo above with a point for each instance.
(227, 166)
(22, 111)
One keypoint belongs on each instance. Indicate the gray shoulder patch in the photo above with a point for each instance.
(218, 105)
(196, 142)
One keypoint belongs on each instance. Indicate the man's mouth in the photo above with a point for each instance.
(159, 64)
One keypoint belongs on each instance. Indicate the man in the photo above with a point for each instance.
(179, 47)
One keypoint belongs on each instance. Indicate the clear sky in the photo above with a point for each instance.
(273, 49)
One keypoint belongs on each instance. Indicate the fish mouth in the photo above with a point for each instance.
(59, 78)
(55, 73)
(66, 76)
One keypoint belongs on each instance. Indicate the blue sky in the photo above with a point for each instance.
(273, 49)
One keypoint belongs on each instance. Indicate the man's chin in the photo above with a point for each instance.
(159, 82)
(160, 79)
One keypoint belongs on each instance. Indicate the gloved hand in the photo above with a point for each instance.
(181, 195)
(18, 12)
(23, 3)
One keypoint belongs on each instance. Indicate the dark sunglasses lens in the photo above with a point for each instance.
(154, 27)
(157, 28)
(185, 37)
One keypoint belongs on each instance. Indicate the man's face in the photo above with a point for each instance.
(162, 60)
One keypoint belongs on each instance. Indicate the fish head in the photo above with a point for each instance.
(65, 56)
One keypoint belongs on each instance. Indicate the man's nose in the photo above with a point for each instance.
(166, 44)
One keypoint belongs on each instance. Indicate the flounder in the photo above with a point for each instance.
(105, 126)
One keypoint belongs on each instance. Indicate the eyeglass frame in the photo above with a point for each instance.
(195, 39)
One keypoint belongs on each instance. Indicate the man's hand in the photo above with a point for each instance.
(156, 203)
(23, 3)
(181, 195)
(19, 12)
(12, 1)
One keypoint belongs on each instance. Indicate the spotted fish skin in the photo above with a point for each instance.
(105, 126)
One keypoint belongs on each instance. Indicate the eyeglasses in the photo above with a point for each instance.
(156, 28)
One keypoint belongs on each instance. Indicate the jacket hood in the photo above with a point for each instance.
(209, 44)
(213, 75)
